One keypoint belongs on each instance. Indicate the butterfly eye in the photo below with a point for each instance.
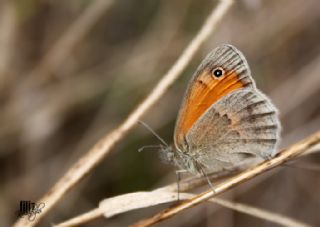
(218, 72)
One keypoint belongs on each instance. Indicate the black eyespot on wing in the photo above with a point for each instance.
(218, 72)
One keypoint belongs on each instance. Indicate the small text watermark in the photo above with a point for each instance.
(29, 209)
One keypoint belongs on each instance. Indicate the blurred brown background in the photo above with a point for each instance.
(57, 98)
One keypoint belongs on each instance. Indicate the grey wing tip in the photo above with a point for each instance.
(234, 49)
(229, 46)
(239, 53)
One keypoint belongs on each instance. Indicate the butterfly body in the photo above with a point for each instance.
(224, 119)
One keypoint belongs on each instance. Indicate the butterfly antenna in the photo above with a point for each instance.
(149, 146)
(153, 132)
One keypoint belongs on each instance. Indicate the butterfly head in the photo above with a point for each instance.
(167, 154)
(171, 155)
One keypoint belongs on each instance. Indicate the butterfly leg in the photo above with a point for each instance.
(208, 179)
(178, 173)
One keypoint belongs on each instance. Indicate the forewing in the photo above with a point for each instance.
(243, 123)
(204, 89)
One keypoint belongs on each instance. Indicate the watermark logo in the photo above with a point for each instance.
(29, 209)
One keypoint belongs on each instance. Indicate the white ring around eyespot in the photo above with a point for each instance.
(218, 68)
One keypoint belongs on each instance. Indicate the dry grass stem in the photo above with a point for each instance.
(119, 204)
(102, 147)
(282, 157)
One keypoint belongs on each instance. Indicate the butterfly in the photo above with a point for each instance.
(223, 119)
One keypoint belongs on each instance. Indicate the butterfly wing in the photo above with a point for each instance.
(205, 89)
(224, 119)
(241, 124)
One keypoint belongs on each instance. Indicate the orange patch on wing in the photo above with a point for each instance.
(204, 92)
